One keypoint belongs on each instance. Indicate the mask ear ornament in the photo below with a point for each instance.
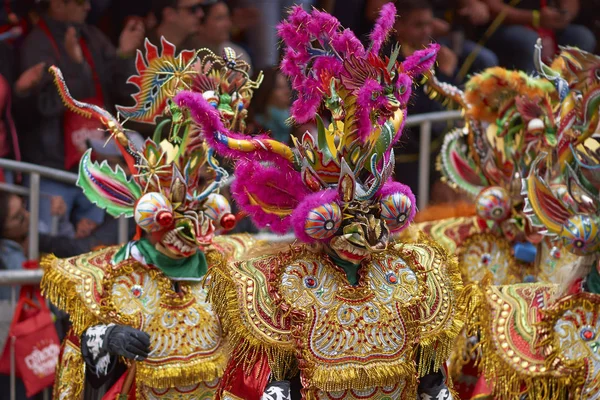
(493, 204)
(580, 234)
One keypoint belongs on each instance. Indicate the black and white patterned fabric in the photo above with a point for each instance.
(279, 390)
(101, 342)
(92, 349)
(433, 387)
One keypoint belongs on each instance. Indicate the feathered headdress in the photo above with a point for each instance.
(350, 159)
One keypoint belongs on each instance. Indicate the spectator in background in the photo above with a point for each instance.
(215, 30)
(270, 106)
(514, 40)
(177, 21)
(414, 30)
(454, 20)
(360, 16)
(14, 235)
(14, 232)
(94, 72)
(9, 143)
(262, 37)
(414, 27)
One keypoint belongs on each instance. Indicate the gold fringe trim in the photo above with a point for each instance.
(434, 351)
(574, 371)
(463, 352)
(246, 347)
(330, 379)
(184, 374)
(70, 374)
(508, 383)
(63, 293)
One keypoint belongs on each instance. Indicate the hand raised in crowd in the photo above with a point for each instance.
(447, 61)
(72, 45)
(131, 37)
(552, 18)
(30, 78)
(440, 27)
(84, 228)
(244, 18)
(58, 207)
(477, 12)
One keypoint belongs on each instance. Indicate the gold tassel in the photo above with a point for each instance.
(223, 297)
(63, 293)
(462, 353)
(330, 379)
(70, 373)
(435, 350)
(183, 374)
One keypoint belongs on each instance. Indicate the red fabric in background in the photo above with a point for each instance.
(247, 385)
(36, 344)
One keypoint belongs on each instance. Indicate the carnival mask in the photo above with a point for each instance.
(334, 187)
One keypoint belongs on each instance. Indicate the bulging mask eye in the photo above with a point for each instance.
(153, 212)
(493, 204)
(323, 221)
(396, 209)
(580, 235)
(217, 208)
(212, 98)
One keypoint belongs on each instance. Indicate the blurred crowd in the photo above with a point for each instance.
(94, 42)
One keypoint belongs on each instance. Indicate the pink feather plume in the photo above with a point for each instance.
(383, 26)
(276, 186)
(215, 133)
(421, 60)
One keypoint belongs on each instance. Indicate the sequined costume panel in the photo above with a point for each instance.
(353, 336)
(234, 246)
(512, 355)
(185, 334)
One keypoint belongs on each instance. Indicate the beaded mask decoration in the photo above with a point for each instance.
(173, 189)
(334, 187)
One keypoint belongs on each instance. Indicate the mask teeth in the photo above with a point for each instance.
(194, 217)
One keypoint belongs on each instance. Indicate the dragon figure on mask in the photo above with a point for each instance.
(141, 324)
(539, 340)
(356, 314)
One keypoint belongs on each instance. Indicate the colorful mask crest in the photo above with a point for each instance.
(173, 189)
(334, 187)
(564, 201)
